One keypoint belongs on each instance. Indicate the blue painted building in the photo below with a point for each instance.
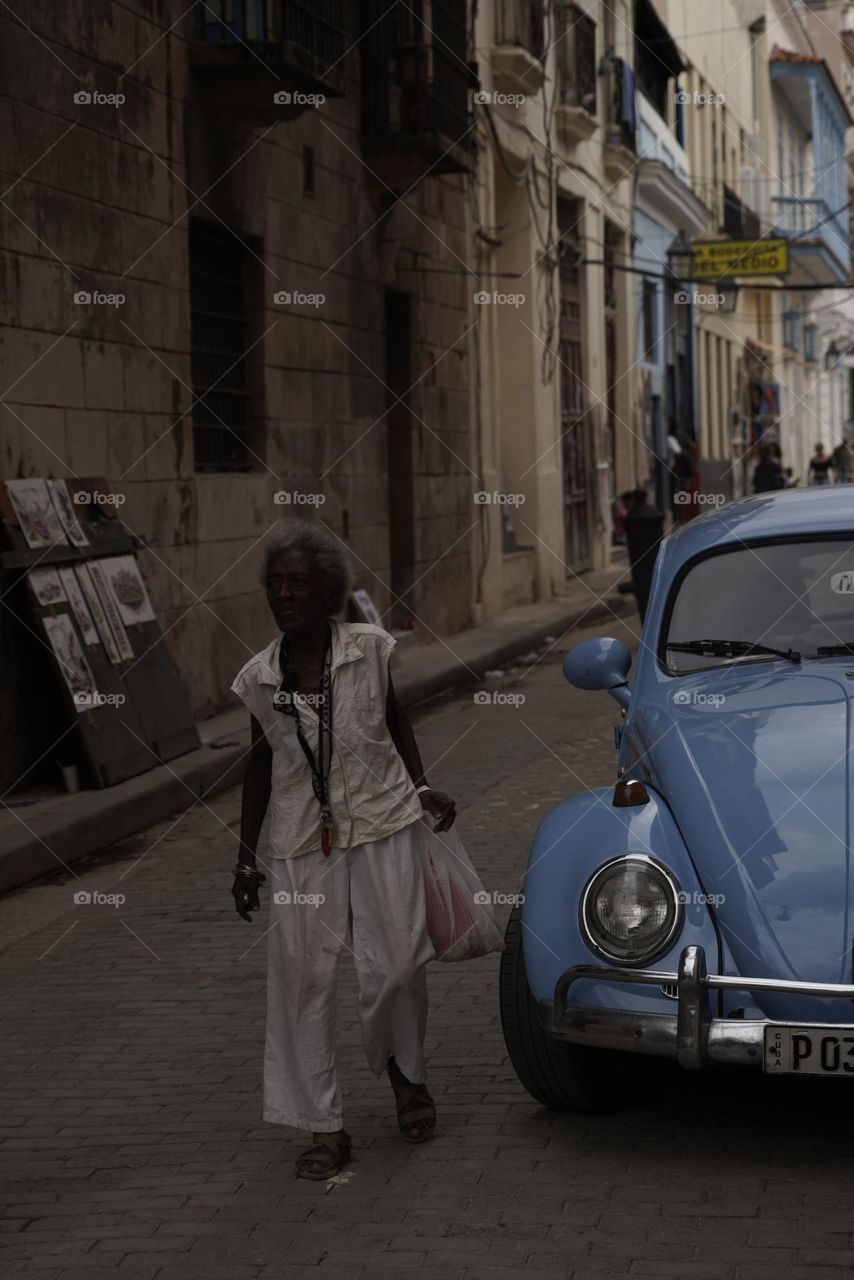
(810, 206)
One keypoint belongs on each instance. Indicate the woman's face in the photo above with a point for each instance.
(296, 591)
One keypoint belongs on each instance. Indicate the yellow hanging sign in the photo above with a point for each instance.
(714, 259)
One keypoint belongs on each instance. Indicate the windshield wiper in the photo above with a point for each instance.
(834, 650)
(732, 649)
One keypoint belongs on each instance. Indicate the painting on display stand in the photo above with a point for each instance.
(47, 586)
(73, 664)
(80, 609)
(110, 608)
(64, 509)
(35, 512)
(128, 588)
(94, 602)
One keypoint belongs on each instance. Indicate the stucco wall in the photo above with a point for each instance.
(101, 200)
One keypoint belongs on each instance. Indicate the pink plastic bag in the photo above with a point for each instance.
(461, 921)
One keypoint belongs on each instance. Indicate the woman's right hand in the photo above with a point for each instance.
(245, 894)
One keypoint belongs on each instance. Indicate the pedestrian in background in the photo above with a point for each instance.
(639, 505)
(621, 510)
(767, 474)
(687, 467)
(345, 821)
(842, 461)
(820, 464)
(678, 466)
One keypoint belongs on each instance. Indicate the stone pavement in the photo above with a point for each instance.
(131, 1143)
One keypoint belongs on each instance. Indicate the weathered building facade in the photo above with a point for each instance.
(766, 108)
(552, 407)
(234, 284)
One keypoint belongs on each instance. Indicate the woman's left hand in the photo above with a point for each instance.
(441, 807)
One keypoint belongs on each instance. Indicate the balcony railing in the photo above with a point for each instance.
(245, 50)
(315, 27)
(576, 57)
(520, 22)
(415, 84)
(810, 219)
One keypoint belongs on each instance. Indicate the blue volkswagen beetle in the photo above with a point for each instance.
(702, 908)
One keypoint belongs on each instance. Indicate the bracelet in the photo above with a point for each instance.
(424, 787)
(251, 873)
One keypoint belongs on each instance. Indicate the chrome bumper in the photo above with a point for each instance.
(691, 1035)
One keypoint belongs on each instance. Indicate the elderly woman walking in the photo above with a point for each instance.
(335, 768)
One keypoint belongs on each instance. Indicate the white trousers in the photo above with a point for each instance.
(368, 900)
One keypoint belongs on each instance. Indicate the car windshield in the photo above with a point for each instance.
(792, 597)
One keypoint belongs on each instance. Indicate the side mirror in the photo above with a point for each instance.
(602, 663)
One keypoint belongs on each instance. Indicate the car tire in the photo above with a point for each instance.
(562, 1076)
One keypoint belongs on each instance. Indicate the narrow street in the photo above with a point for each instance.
(133, 1029)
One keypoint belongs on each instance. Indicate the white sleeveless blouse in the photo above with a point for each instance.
(371, 793)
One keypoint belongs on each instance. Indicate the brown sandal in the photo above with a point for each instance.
(415, 1109)
(331, 1158)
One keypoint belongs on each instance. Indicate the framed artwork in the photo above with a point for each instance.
(128, 588)
(64, 509)
(46, 586)
(75, 669)
(79, 607)
(108, 604)
(34, 509)
(93, 600)
(365, 607)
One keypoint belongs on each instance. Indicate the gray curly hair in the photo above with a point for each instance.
(327, 551)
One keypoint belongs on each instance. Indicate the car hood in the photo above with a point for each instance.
(756, 769)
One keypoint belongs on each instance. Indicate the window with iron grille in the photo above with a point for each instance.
(520, 22)
(791, 330)
(414, 74)
(612, 246)
(733, 213)
(649, 308)
(218, 338)
(576, 52)
(810, 342)
(314, 26)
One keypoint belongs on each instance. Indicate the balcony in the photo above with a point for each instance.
(660, 188)
(621, 120)
(819, 251)
(517, 59)
(576, 74)
(817, 224)
(415, 92)
(658, 63)
(266, 60)
(739, 221)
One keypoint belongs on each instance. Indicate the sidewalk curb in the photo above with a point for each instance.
(90, 821)
(489, 646)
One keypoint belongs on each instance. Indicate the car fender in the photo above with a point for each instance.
(573, 840)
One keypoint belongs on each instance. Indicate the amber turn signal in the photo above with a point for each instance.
(628, 792)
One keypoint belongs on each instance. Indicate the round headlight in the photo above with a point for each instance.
(630, 910)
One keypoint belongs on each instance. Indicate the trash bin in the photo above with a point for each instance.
(643, 534)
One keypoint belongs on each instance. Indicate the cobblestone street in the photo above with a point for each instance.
(132, 1143)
